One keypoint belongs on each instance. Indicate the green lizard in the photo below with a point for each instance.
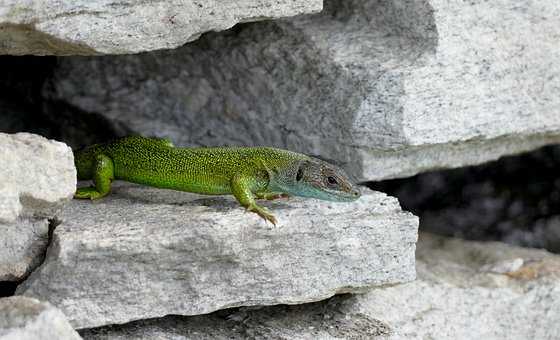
(245, 172)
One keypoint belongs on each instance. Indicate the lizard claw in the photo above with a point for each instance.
(262, 212)
(88, 192)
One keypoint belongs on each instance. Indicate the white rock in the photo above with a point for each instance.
(145, 253)
(455, 298)
(452, 299)
(504, 267)
(24, 318)
(38, 176)
(69, 27)
(386, 89)
(22, 247)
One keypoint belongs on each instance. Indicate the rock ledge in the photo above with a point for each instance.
(144, 253)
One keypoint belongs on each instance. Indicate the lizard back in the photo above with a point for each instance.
(156, 162)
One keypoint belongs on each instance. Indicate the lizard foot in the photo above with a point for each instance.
(88, 192)
(262, 212)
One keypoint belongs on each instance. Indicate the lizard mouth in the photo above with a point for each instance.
(342, 196)
(353, 195)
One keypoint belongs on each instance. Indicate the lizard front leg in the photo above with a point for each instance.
(103, 174)
(241, 189)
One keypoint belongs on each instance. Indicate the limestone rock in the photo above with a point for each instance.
(461, 295)
(24, 318)
(38, 176)
(145, 253)
(22, 247)
(458, 295)
(70, 27)
(322, 320)
(386, 89)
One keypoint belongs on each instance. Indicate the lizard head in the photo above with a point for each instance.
(318, 179)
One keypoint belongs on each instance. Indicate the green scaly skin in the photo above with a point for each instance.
(245, 172)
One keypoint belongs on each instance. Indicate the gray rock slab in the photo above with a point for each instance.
(145, 253)
(38, 176)
(323, 320)
(472, 290)
(465, 290)
(83, 27)
(23, 318)
(386, 89)
(22, 247)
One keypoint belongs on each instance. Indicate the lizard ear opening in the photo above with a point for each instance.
(299, 174)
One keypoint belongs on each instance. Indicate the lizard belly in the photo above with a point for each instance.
(190, 181)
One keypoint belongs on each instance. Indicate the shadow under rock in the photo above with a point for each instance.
(146, 195)
(7, 288)
(274, 322)
(24, 106)
(149, 195)
(515, 199)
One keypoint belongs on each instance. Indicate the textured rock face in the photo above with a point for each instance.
(37, 178)
(471, 290)
(22, 247)
(465, 290)
(323, 320)
(115, 27)
(23, 318)
(386, 89)
(145, 253)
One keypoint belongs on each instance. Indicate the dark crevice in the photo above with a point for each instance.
(7, 288)
(79, 128)
(10, 288)
(20, 87)
(515, 199)
(53, 223)
(24, 107)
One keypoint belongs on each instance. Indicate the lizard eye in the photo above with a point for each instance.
(299, 175)
(332, 180)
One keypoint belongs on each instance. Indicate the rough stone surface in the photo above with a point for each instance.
(472, 290)
(464, 290)
(23, 318)
(38, 176)
(145, 253)
(22, 247)
(82, 27)
(384, 88)
(312, 321)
